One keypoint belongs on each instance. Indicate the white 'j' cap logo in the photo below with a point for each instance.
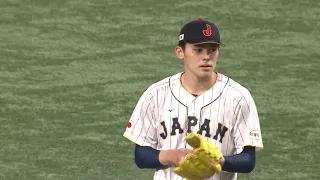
(181, 37)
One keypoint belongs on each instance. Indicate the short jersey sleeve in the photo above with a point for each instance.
(247, 127)
(141, 126)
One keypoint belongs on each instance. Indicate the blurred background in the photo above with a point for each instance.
(71, 72)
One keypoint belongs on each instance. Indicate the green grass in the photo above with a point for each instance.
(71, 73)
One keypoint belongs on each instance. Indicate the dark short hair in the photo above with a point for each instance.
(182, 44)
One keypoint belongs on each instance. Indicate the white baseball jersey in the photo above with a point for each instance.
(225, 115)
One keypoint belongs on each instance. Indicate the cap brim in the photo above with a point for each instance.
(207, 42)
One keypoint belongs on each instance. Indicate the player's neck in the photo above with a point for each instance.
(197, 86)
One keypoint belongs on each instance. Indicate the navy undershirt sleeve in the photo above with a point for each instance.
(147, 157)
(242, 163)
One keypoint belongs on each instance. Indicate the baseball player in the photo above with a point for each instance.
(197, 100)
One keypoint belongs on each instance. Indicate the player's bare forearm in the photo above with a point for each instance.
(173, 156)
(166, 157)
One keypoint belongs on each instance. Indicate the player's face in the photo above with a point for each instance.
(200, 60)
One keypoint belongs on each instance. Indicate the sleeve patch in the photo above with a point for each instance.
(129, 124)
(253, 134)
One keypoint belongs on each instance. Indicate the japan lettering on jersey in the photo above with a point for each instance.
(225, 115)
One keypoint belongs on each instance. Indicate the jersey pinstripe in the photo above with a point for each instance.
(225, 115)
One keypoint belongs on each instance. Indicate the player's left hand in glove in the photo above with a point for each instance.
(203, 163)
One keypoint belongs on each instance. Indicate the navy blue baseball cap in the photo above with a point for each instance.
(199, 32)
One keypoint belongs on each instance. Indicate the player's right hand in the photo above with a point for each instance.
(181, 154)
(173, 157)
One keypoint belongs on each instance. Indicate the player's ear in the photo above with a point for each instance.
(179, 52)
